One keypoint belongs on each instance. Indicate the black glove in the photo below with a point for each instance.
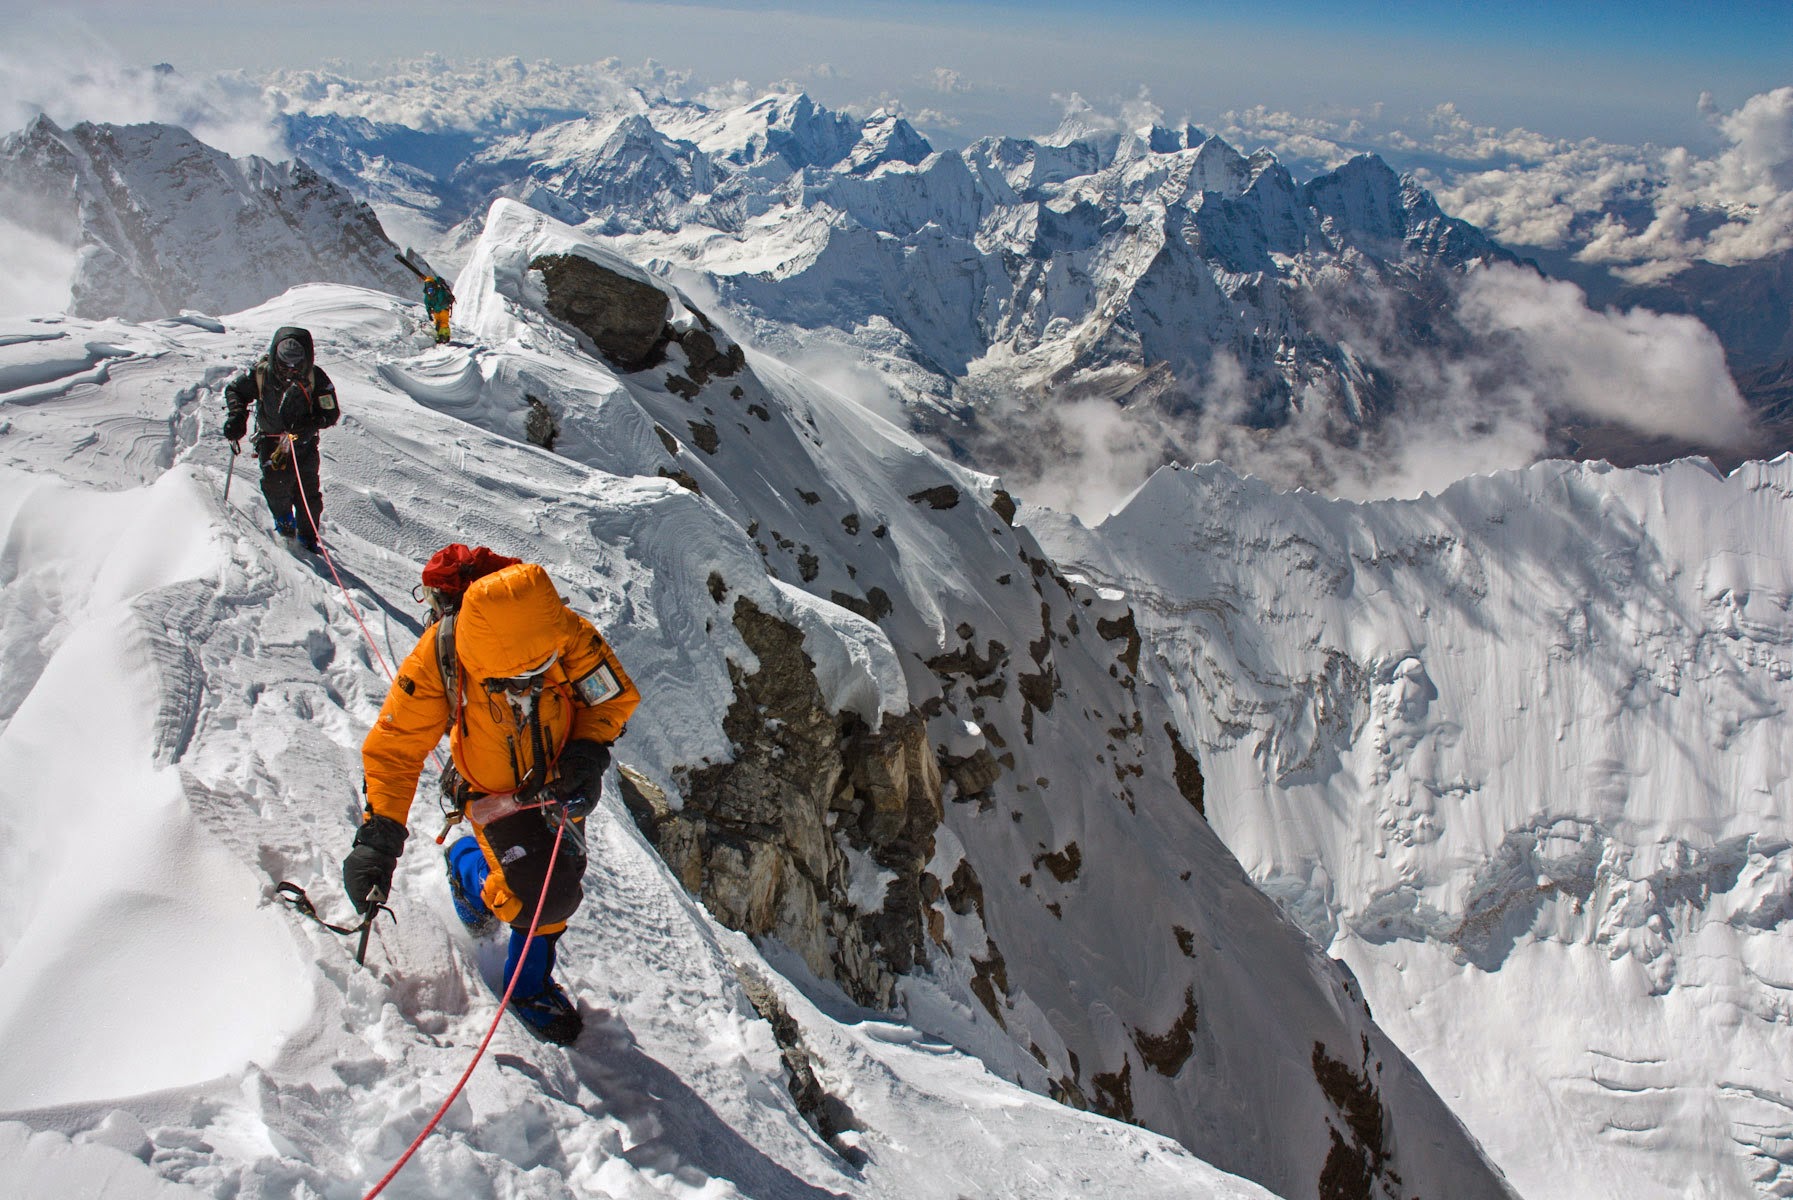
(236, 424)
(581, 781)
(378, 843)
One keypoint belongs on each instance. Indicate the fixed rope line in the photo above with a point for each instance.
(504, 1003)
(541, 899)
(316, 533)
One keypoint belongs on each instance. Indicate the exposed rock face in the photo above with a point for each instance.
(624, 317)
(628, 318)
(539, 424)
(768, 841)
(248, 229)
(1357, 1161)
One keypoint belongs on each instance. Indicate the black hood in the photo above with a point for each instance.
(303, 336)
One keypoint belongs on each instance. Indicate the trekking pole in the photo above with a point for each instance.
(230, 471)
(375, 897)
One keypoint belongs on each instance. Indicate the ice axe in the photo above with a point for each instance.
(295, 895)
(230, 470)
(375, 902)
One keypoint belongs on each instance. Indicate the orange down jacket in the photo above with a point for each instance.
(510, 622)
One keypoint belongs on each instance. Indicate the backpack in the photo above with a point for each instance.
(292, 411)
(436, 296)
(446, 577)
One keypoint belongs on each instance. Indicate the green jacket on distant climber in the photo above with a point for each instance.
(438, 299)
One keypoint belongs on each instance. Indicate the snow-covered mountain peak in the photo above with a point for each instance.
(1523, 735)
(162, 222)
(792, 128)
(1162, 140)
(887, 137)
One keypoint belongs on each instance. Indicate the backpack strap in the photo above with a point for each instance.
(448, 663)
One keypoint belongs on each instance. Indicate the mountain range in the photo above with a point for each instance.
(882, 734)
(1149, 817)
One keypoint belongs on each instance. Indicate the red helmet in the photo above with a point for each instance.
(450, 569)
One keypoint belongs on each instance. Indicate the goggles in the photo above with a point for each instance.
(522, 683)
(290, 354)
(439, 601)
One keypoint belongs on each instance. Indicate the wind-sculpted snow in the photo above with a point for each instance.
(1090, 937)
(1518, 753)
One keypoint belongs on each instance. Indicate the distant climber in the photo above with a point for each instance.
(439, 300)
(531, 697)
(293, 399)
(437, 297)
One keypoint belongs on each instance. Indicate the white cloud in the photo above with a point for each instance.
(947, 81)
(433, 94)
(1657, 373)
(36, 272)
(72, 82)
(1568, 195)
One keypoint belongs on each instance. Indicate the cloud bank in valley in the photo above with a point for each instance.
(1542, 360)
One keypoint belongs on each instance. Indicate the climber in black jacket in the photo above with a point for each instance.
(293, 399)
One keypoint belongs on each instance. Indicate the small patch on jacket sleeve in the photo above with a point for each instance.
(405, 682)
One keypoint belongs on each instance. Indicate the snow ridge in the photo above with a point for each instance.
(1523, 739)
(236, 685)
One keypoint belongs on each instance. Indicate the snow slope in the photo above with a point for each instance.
(172, 1029)
(183, 704)
(1519, 754)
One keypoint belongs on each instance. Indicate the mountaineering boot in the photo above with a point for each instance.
(309, 541)
(467, 872)
(550, 1015)
(541, 1004)
(286, 525)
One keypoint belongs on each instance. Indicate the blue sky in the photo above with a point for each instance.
(1628, 72)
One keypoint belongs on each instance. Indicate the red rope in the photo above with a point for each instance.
(318, 535)
(541, 900)
(485, 1041)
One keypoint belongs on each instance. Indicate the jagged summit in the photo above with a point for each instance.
(164, 222)
(1154, 266)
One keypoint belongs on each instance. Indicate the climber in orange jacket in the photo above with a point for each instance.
(531, 697)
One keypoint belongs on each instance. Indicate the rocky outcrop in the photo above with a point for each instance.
(625, 317)
(628, 318)
(1357, 1160)
(818, 832)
